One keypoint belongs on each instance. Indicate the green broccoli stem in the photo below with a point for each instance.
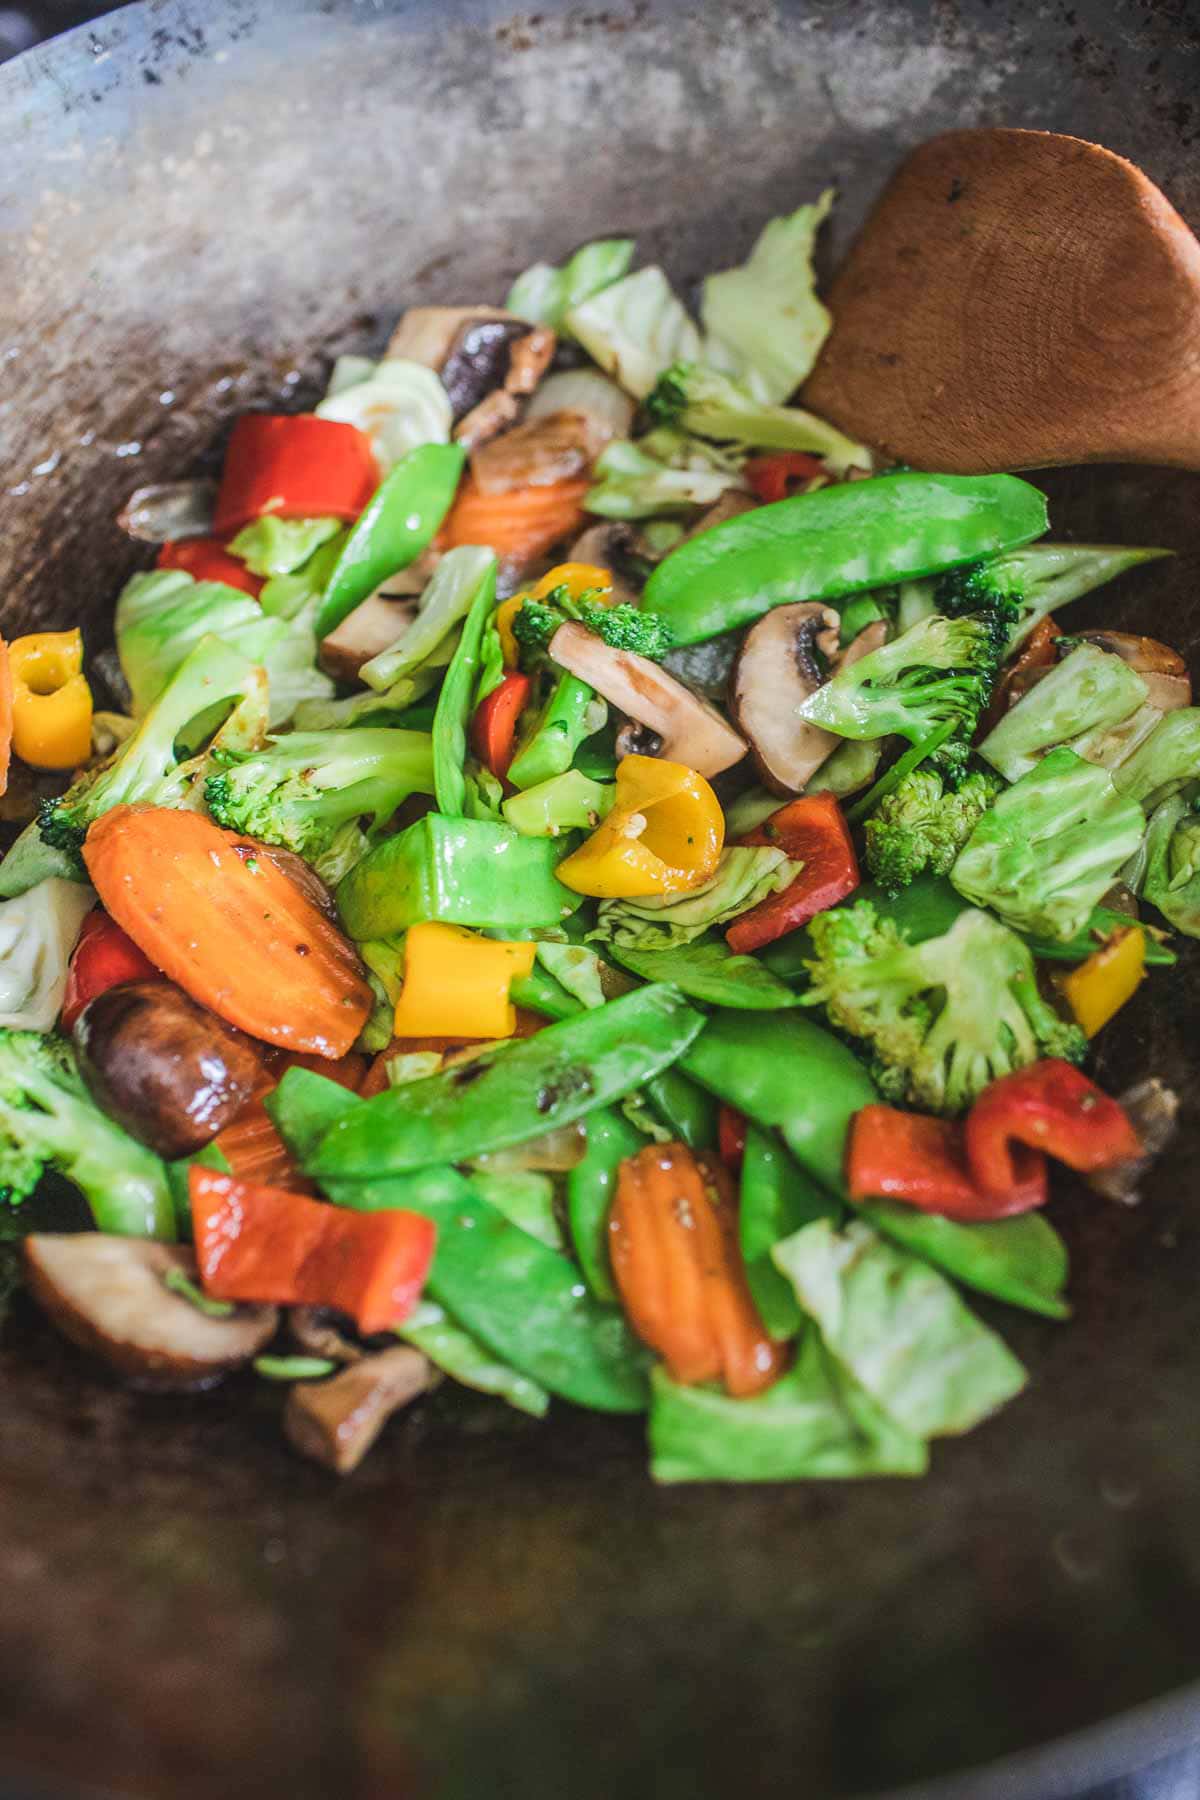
(903, 765)
(562, 725)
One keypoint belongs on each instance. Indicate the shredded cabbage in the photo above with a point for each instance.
(744, 877)
(764, 320)
(633, 483)
(37, 935)
(635, 330)
(442, 605)
(544, 294)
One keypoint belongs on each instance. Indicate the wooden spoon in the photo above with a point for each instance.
(1017, 300)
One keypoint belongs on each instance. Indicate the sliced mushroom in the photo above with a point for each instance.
(1168, 684)
(561, 445)
(409, 583)
(369, 629)
(495, 413)
(636, 740)
(168, 1071)
(871, 637)
(774, 675)
(336, 1421)
(479, 361)
(611, 545)
(170, 509)
(692, 732)
(528, 359)
(313, 1330)
(732, 504)
(427, 334)
(109, 1296)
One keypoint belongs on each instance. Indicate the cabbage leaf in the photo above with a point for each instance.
(399, 404)
(765, 318)
(744, 876)
(635, 330)
(37, 935)
(544, 294)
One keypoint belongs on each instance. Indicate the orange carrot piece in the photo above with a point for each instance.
(256, 1153)
(675, 1256)
(520, 525)
(215, 914)
(6, 715)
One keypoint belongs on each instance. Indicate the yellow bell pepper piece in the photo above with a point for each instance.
(664, 835)
(456, 984)
(52, 702)
(506, 612)
(578, 579)
(1099, 987)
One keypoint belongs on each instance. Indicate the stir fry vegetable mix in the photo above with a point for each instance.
(608, 885)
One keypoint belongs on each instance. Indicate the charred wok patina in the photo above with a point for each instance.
(202, 205)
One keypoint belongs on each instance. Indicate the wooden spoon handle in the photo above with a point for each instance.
(1017, 300)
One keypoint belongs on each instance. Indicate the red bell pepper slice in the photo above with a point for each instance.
(494, 727)
(813, 830)
(207, 559)
(922, 1161)
(1037, 652)
(102, 958)
(1054, 1107)
(731, 1137)
(294, 467)
(780, 475)
(266, 1244)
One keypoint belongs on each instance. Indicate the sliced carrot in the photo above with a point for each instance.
(6, 715)
(675, 1256)
(256, 1153)
(519, 526)
(214, 913)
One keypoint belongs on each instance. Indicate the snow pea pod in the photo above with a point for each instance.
(687, 1111)
(839, 540)
(1021, 1260)
(557, 735)
(522, 1300)
(711, 973)
(784, 1072)
(452, 715)
(591, 1185)
(777, 1198)
(514, 1092)
(398, 523)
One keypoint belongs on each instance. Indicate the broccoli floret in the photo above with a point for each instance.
(299, 790)
(49, 1121)
(708, 404)
(940, 672)
(1034, 580)
(1052, 844)
(151, 768)
(920, 827)
(624, 627)
(943, 1018)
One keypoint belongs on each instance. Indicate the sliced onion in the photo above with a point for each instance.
(553, 1152)
(173, 509)
(585, 391)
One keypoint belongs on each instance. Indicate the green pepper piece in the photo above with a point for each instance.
(560, 729)
(777, 1198)
(460, 871)
(522, 1300)
(784, 1072)
(1021, 1260)
(542, 993)
(514, 1091)
(839, 540)
(591, 1186)
(452, 715)
(708, 971)
(399, 521)
(686, 1110)
(567, 802)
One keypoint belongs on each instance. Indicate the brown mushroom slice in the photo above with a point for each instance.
(537, 454)
(335, 1422)
(109, 1296)
(427, 334)
(494, 414)
(161, 1065)
(732, 504)
(369, 629)
(609, 545)
(871, 637)
(774, 675)
(528, 359)
(1168, 684)
(313, 1330)
(692, 731)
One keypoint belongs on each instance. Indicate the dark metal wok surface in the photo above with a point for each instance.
(201, 203)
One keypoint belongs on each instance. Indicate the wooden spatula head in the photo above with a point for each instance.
(1017, 300)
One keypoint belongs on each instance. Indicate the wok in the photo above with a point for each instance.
(202, 204)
